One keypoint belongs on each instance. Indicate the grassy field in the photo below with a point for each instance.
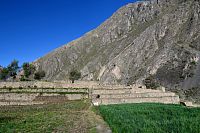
(151, 118)
(72, 117)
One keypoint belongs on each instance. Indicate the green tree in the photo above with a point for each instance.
(29, 69)
(74, 75)
(151, 83)
(39, 75)
(12, 68)
(1, 68)
(4, 74)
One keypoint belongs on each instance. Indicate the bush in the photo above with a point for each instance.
(10, 88)
(4, 74)
(20, 87)
(10, 71)
(23, 78)
(39, 75)
(74, 75)
(193, 63)
(35, 86)
(13, 69)
(29, 69)
(151, 83)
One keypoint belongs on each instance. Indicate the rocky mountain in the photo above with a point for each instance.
(156, 38)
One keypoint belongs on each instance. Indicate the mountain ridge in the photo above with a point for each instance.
(158, 38)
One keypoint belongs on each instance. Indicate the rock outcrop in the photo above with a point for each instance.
(158, 38)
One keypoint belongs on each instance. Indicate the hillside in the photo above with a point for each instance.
(157, 38)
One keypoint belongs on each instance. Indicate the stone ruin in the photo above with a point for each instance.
(29, 93)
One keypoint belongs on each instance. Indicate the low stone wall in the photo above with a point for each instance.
(31, 96)
(43, 84)
(17, 97)
(22, 93)
(62, 84)
(132, 94)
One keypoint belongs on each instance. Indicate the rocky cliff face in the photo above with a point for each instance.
(160, 38)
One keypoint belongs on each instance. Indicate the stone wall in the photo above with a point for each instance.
(55, 84)
(17, 93)
(28, 93)
(132, 94)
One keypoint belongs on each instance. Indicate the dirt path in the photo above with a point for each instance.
(100, 125)
(89, 122)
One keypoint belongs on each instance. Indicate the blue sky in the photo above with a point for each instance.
(30, 29)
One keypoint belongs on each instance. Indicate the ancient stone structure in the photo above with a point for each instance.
(29, 93)
(132, 94)
(53, 84)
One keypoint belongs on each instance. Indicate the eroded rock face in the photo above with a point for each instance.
(156, 37)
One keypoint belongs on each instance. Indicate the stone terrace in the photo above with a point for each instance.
(132, 94)
(28, 93)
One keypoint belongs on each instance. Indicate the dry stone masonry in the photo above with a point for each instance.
(132, 94)
(30, 93)
(27, 93)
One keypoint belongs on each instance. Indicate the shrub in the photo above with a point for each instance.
(193, 63)
(35, 86)
(39, 75)
(10, 71)
(10, 88)
(20, 87)
(13, 69)
(4, 74)
(29, 69)
(22, 78)
(74, 75)
(151, 83)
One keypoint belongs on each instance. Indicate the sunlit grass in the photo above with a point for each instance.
(41, 118)
(151, 118)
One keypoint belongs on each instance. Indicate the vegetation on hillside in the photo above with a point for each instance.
(74, 75)
(29, 69)
(151, 83)
(39, 75)
(25, 73)
(4, 73)
(151, 118)
(10, 71)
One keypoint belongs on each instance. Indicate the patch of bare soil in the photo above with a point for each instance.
(90, 122)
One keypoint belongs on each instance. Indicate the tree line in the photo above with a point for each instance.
(28, 72)
(24, 72)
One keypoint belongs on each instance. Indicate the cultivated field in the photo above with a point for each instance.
(151, 118)
(71, 116)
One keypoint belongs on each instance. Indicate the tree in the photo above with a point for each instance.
(1, 68)
(151, 83)
(4, 74)
(39, 75)
(29, 69)
(13, 68)
(74, 75)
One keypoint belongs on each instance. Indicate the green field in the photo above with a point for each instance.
(72, 116)
(151, 118)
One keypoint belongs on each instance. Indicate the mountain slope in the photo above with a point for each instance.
(158, 37)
